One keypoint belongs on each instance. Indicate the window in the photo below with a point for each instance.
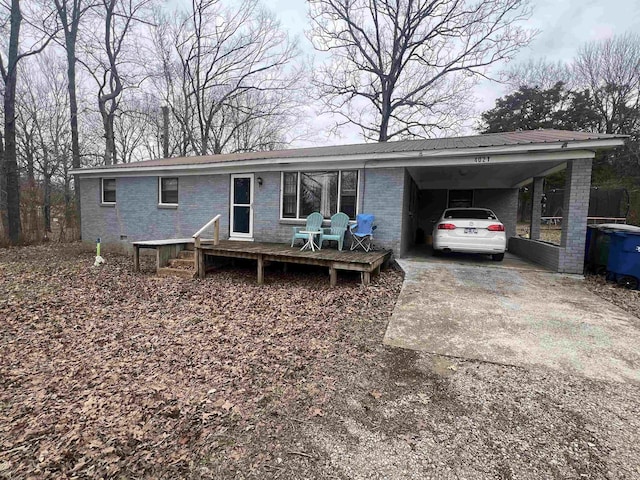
(168, 191)
(475, 213)
(289, 195)
(327, 192)
(460, 199)
(348, 193)
(108, 190)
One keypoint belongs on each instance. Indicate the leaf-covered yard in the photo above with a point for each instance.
(108, 373)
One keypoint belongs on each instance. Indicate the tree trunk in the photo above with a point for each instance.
(70, 36)
(73, 110)
(46, 207)
(109, 146)
(165, 131)
(11, 161)
(4, 219)
(383, 134)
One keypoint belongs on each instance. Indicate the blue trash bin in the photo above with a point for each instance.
(623, 265)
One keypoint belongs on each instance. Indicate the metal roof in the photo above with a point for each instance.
(487, 140)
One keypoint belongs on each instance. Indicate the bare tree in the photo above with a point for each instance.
(539, 73)
(9, 72)
(611, 70)
(70, 13)
(112, 66)
(44, 129)
(214, 56)
(137, 128)
(405, 68)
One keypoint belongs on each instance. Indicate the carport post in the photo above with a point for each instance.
(574, 215)
(536, 207)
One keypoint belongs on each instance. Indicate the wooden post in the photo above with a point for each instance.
(201, 265)
(260, 270)
(216, 232)
(196, 254)
(136, 258)
(333, 276)
(164, 255)
(366, 278)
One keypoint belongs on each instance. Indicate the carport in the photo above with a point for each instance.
(472, 173)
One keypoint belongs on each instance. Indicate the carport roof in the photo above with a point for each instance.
(487, 140)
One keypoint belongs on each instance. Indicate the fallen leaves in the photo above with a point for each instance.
(628, 300)
(376, 394)
(105, 373)
(316, 412)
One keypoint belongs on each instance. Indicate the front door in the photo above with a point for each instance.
(241, 207)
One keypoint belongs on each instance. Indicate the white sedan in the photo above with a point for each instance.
(470, 230)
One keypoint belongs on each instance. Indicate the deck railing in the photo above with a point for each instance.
(199, 257)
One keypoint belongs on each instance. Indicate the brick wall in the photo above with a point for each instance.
(267, 226)
(537, 189)
(383, 196)
(575, 211)
(538, 252)
(137, 216)
(503, 202)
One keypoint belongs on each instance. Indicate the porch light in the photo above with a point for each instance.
(259, 179)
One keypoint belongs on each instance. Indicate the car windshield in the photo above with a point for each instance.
(475, 213)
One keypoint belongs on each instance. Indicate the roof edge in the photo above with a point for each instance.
(609, 142)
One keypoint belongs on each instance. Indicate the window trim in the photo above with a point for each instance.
(299, 173)
(102, 201)
(160, 202)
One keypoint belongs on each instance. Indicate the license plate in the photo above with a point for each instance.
(470, 230)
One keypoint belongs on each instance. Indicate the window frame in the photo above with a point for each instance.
(115, 190)
(299, 173)
(160, 202)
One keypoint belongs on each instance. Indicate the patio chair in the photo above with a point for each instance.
(362, 232)
(314, 224)
(339, 223)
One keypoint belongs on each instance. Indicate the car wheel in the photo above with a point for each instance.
(628, 281)
(497, 257)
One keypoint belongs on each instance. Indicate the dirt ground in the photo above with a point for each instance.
(109, 374)
(548, 232)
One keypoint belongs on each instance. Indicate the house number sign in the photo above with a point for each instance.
(482, 159)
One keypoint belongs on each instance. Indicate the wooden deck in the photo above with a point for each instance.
(364, 262)
(367, 263)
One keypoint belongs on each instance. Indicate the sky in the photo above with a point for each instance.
(564, 26)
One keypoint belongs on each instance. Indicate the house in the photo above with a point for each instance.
(405, 184)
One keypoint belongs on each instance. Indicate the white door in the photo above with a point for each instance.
(241, 207)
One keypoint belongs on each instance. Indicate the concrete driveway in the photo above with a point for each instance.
(512, 313)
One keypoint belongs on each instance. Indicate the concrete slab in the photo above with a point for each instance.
(510, 261)
(518, 315)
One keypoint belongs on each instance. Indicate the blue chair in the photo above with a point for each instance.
(339, 224)
(314, 224)
(362, 232)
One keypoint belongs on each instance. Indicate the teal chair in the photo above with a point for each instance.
(339, 224)
(314, 224)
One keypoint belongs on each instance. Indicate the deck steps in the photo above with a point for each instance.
(175, 272)
(183, 263)
(182, 266)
